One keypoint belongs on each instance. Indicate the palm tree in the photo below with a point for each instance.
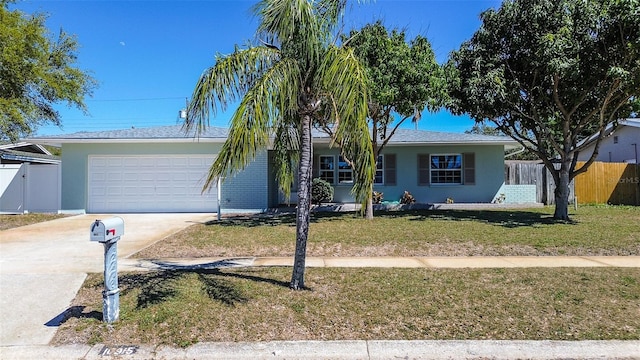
(294, 79)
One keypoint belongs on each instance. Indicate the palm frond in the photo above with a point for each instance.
(296, 26)
(286, 154)
(227, 82)
(258, 114)
(345, 79)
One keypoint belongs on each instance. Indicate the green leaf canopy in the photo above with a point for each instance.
(36, 72)
(550, 73)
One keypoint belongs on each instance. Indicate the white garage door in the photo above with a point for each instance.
(150, 183)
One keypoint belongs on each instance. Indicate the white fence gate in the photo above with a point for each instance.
(29, 188)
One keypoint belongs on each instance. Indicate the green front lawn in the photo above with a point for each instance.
(255, 304)
(596, 230)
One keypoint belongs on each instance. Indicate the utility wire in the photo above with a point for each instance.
(139, 99)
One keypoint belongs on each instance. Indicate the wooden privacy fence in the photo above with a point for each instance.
(534, 173)
(610, 183)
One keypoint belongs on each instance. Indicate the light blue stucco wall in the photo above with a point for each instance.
(489, 173)
(234, 192)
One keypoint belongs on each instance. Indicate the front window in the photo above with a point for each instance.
(446, 169)
(327, 168)
(345, 173)
(380, 170)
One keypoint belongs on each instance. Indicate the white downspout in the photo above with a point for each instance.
(219, 186)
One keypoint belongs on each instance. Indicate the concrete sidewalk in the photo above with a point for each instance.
(385, 262)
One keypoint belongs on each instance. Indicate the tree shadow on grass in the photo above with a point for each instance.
(160, 286)
(253, 278)
(508, 219)
(505, 218)
(255, 220)
(155, 287)
(286, 219)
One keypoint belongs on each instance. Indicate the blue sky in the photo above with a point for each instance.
(148, 55)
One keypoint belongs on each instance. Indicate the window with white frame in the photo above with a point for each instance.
(345, 173)
(446, 169)
(379, 170)
(327, 168)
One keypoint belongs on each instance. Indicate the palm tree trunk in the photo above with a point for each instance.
(304, 204)
(369, 210)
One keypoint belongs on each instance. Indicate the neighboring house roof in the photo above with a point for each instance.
(217, 134)
(609, 129)
(26, 152)
(25, 147)
(23, 156)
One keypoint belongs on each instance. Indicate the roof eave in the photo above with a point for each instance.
(59, 141)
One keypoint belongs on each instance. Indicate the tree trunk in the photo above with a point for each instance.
(562, 192)
(376, 152)
(369, 212)
(304, 204)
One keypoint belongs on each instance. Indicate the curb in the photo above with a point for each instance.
(344, 350)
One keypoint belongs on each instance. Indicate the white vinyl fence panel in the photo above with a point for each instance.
(29, 188)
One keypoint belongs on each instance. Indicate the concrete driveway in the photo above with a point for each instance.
(42, 267)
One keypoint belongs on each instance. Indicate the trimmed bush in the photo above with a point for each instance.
(321, 191)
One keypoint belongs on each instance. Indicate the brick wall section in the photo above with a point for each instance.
(517, 194)
(248, 189)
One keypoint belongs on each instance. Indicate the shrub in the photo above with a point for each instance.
(407, 198)
(321, 191)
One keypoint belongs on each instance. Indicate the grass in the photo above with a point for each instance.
(180, 308)
(254, 304)
(611, 230)
(17, 220)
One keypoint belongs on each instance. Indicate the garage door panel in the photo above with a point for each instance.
(130, 176)
(114, 191)
(97, 190)
(149, 183)
(131, 162)
(99, 176)
(111, 162)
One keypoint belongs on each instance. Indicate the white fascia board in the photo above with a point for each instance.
(630, 122)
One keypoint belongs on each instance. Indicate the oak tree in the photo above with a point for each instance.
(550, 73)
(37, 71)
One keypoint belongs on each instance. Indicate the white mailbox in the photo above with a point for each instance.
(107, 230)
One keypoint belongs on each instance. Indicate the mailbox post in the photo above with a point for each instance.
(108, 233)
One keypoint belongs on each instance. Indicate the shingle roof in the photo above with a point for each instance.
(167, 133)
(158, 132)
